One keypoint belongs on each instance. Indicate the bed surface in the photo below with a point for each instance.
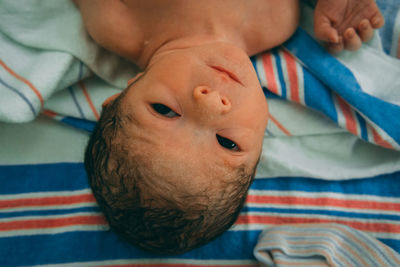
(48, 214)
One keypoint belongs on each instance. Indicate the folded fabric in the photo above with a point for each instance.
(321, 245)
(45, 49)
(49, 65)
(348, 89)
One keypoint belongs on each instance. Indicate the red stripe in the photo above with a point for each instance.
(292, 73)
(49, 113)
(379, 140)
(52, 223)
(324, 201)
(364, 226)
(279, 125)
(46, 201)
(89, 100)
(22, 79)
(269, 73)
(351, 124)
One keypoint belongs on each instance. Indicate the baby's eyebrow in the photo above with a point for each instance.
(135, 81)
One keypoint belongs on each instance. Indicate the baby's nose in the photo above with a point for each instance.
(211, 100)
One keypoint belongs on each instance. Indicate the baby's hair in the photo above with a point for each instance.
(158, 216)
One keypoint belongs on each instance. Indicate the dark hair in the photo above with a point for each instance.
(161, 218)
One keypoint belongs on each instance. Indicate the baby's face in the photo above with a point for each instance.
(202, 105)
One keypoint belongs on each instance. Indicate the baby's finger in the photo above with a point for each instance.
(377, 20)
(324, 31)
(365, 30)
(335, 48)
(352, 41)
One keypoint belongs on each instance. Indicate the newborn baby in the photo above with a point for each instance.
(173, 155)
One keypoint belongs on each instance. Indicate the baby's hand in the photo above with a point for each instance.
(345, 24)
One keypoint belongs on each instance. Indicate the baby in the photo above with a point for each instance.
(173, 155)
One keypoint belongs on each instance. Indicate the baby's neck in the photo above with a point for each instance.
(184, 30)
(253, 26)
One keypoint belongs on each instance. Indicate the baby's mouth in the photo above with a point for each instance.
(228, 73)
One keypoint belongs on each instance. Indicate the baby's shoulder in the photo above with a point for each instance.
(270, 23)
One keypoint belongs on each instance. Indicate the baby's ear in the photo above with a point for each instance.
(110, 99)
(134, 79)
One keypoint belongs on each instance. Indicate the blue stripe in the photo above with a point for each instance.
(31, 107)
(71, 91)
(79, 123)
(342, 214)
(105, 245)
(363, 126)
(16, 179)
(40, 175)
(59, 211)
(318, 96)
(281, 78)
(381, 185)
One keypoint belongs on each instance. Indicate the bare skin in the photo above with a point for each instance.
(195, 58)
(346, 24)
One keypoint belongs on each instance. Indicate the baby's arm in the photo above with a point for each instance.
(345, 24)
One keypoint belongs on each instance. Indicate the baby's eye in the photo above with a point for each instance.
(227, 143)
(164, 110)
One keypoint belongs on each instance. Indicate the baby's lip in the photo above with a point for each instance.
(227, 72)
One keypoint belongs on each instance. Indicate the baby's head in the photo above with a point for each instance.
(173, 156)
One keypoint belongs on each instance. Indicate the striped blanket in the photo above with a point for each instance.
(49, 216)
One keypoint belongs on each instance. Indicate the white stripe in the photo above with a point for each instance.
(322, 217)
(341, 120)
(45, 194)
(395, 36)
(250, 227)
(50, 217)
(291, 207)
(261, 227)
(300, 80)
(157, 261)
(261, 71)
(339, 196)
(285, 75)
(276, 76)
(54, 230)
(51, 207)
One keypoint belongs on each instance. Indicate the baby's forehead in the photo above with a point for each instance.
(189, 170)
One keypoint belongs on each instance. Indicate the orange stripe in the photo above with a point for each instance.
(22, 79)
(379, 140)
(351, 124)
(364, 226)
(52, 223)
(46, 201)
(89, 100)
(269, 73)
(324, 201)
(49, 113)
(280, 126)
(292, 73)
